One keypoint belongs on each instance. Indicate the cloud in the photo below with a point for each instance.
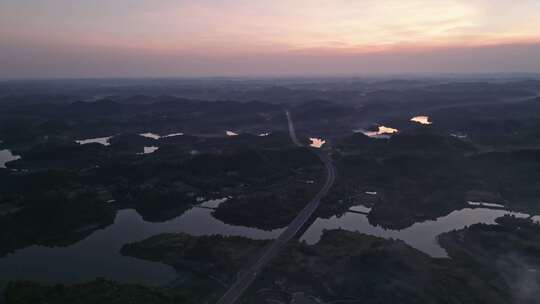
(242, 25)
(20, 61)
(242, 31)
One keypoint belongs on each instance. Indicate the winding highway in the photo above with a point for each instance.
(247, 277)
(292, 131)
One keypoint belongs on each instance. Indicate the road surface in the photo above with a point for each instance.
(292, 132)
(247, 277)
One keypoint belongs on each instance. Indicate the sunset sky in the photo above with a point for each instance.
(107, 38)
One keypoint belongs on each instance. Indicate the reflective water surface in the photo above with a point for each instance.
(98, 255)
(173, 134)
(157, 136)
(484, 204)
(6, 156)
(100, 140)
(150, 135)
(213, 203)
(422, 236)
(316, 142)
(148, 150)
(424, 120)
(382, 132)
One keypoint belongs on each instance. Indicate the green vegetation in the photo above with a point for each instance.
(99, 291)
(76, 190)
(207, 264)
(216, 257)
(348, 266)
(510, 250)
(489, 264)
(424, 174)
(58, 211)
(270, 202)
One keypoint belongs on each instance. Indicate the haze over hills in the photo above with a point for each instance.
(263, 152)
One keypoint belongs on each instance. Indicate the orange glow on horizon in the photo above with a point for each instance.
(301, 26)
(266, 37)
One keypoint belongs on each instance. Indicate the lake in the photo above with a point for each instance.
(6, 156)
(422, 235)
(98, 255)
(316, 142)
(381, 132)
(424, 120)
(99, 140)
